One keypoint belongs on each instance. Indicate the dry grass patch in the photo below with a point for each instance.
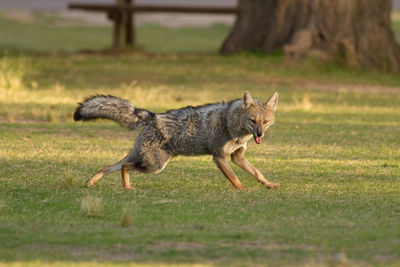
(92, 206)
(69, 179)
(11, 74)
(127, 218)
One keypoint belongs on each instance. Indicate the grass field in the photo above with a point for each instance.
(335, 150)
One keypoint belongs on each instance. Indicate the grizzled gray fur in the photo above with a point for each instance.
(220, 129)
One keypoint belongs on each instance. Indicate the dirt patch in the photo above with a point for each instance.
(163, 246)
(395, 15)
(276, 246)
(116, 253)
(23, 16)
(105, 254)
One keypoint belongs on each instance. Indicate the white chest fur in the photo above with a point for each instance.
(236, 143)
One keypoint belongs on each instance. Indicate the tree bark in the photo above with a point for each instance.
(355, 32)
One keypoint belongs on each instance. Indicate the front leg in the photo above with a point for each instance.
(223, 165)
(239, 159)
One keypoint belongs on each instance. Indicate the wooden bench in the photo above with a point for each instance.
(122, 15)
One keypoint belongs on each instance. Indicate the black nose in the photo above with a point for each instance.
(259, 134)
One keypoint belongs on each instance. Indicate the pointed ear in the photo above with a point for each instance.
(273, 101)
(247, 100)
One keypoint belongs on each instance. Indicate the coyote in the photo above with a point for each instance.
(219, 129)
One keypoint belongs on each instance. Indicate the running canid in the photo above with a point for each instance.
(220, 129)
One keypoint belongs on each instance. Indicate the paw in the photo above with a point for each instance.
(241, 188)
(272, 185)
(130, 187)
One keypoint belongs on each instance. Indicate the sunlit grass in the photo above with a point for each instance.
(11, 73)
(37, 96)
(332, 183)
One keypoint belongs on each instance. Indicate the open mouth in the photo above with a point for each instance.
(258, 139)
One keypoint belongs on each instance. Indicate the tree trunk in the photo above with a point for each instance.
(356, 32)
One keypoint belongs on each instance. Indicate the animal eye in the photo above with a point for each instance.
(265, 121)
(253, 121)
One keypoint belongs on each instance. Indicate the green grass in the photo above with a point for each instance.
(335, 150)
(43, 36)
(396, 29)
(50, 33)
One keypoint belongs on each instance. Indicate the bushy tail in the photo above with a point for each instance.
(112, 108)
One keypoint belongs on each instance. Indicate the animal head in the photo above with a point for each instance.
(257, 115)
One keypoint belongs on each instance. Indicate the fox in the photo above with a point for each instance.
(220, 129)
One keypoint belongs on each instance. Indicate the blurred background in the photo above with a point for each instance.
(56, 13)
(59, 7)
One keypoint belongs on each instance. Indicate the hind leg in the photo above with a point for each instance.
(125, 176)
(148, 163)
(126, 183)
(106, 170)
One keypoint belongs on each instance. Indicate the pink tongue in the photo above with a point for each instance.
(258, 140)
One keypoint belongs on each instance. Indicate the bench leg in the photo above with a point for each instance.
(129, 29)
(117, 18)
